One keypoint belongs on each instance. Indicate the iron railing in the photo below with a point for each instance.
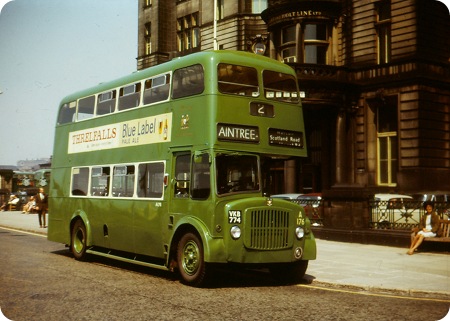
(394, 215)
(401, 214)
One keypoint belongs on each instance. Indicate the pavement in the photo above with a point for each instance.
(342, 264)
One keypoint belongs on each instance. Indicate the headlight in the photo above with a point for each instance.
(299, 232)
(235, 232)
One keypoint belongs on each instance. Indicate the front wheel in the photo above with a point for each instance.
(78, 240)
(190, 260)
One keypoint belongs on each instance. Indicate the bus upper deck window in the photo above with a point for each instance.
(279, 86)
(156, 89)
(86, 108)
(188, 81)
(106, 102)
(129, 96)
(237, 80)
(67, 113)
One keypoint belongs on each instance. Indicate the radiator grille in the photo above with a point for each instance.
(269, 229)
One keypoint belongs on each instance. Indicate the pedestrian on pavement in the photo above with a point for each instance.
(428, 227)
(41, 206)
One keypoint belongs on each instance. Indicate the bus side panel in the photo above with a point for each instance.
(110, 227)
(150, 226)
(58, 228)
(58, 219)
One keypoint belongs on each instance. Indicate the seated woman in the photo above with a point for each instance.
(29, 207)
(428, 227)
(13, 201)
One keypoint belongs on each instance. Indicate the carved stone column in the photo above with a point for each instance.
(341, 149)
(290, 177)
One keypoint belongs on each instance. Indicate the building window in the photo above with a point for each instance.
(220, 9)
(148, 38)
(383, 27)
(258, 6)
(147, 3)
(195, 30)
(313, 40)
(315, 44)
(387, 145)
(288, 44)
(188, 32)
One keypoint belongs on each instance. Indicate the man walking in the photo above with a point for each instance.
(41, 206)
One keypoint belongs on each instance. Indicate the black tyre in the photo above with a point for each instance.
(78, 240)
(190, 260)
(289, 273)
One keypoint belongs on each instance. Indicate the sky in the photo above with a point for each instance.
(52, 48)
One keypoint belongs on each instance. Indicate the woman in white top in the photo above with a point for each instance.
(428, 227)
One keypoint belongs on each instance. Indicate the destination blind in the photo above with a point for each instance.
(250, 134)
(286, 138)
(237, 133)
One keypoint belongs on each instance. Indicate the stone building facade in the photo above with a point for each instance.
(374, 76)
(168, 29)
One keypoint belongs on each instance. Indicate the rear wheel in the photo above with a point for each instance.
(190, 260)
(78, 240)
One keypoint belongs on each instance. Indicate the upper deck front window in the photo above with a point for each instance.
(237, 80)
(188, 81)
(279, 86)
(67, 113)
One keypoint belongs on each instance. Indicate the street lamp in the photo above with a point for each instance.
(258, 44)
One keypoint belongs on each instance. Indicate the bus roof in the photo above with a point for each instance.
(204, 57)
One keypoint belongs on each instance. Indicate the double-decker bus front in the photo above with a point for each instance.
(251, 122)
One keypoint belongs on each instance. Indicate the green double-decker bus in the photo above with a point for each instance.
(170, 167)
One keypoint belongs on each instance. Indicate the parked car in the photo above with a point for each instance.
(312, 203)
(392, 197)
(311, 199)
(291, 196)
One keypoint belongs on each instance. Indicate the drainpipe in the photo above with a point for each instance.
(340, 148)
(216, 45)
